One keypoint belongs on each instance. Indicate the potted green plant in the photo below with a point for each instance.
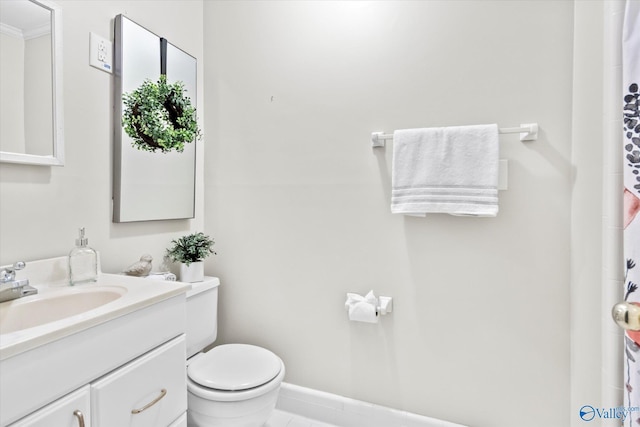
(190, 251)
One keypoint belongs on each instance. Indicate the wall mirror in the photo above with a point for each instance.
(148, 185)
(31, 107)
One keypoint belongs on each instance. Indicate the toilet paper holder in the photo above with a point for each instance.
(383, 305)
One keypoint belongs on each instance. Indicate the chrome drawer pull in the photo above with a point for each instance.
(163, 393)
(80, 417)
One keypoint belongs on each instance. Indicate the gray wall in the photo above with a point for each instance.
(43, 207)
(299, 201)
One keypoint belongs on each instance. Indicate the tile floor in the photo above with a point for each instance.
(285, 419)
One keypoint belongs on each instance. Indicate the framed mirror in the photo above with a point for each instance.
(31, 107)
(150, 185)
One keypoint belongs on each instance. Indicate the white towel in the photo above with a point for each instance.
(450, 170)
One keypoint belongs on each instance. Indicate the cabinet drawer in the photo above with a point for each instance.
(61, 412)
(151, 391)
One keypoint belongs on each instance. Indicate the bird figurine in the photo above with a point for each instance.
(140, 268)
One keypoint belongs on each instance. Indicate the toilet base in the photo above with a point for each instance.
(248, 413)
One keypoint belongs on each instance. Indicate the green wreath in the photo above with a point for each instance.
(159, 117)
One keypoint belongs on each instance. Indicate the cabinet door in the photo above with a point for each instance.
(72, 410)
(150, 391)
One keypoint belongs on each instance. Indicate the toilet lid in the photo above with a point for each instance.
(234, 367)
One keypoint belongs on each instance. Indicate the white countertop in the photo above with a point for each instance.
(140, 293)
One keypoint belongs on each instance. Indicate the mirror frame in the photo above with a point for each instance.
(57, 158)
(135, 170)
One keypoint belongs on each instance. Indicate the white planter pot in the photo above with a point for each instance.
(192, 273)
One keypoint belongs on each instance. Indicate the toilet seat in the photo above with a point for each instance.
(198, 391)
(234, 367)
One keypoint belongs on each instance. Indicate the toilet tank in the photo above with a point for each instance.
(202, 314)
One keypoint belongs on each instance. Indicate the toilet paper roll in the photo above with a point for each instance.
(363, 312)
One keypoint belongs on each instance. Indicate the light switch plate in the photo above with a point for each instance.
(100, 53)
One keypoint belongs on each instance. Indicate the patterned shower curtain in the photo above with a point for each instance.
(631, 198)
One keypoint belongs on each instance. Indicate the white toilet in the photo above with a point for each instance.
(231, 385)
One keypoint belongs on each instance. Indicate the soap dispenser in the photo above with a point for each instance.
(83, 262)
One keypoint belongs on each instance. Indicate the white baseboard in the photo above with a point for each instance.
(344, 412)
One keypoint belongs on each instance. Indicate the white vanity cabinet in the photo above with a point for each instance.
(73, 410)
(150, 391)
(180, 422)
(120, 369)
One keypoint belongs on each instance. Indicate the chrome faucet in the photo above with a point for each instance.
(10, 288)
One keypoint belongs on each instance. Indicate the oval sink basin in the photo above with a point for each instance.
(48, 307)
